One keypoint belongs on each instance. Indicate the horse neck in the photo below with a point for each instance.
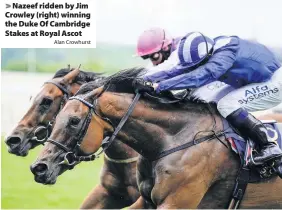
(153, 128)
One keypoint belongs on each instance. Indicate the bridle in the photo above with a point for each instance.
(71, 157)
(47, 128)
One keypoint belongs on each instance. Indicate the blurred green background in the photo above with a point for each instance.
(105, 58)
(20, 191)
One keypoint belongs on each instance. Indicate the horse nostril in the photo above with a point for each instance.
(13, 140)
(39, 168)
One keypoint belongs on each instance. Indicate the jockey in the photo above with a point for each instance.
(196, 60)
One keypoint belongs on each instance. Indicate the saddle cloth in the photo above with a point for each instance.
(243, 149)
(238, 144)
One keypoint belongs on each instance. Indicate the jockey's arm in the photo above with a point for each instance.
(220, 62)
(165, 70)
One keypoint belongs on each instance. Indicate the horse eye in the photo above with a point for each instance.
(46, 102)
(74, 121)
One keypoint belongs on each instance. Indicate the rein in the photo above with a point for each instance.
(108, 140)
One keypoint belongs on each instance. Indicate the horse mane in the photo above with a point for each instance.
(121, 82)
(87, 87)
(82, 77)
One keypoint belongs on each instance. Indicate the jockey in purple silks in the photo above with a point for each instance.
(195, 60)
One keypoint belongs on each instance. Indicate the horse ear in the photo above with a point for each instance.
(71, 75)
(96, 92)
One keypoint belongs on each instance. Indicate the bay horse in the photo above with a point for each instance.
(118, 185)
(199, 176)
(271, 116)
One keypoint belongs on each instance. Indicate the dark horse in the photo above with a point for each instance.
(118, 183)
(201, 176)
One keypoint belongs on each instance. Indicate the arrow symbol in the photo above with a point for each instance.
(8, 6)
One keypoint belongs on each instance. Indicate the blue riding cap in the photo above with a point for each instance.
(194, 48)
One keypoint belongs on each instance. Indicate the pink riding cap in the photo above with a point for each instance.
(152, 40)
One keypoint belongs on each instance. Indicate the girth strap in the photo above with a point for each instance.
(241, 183)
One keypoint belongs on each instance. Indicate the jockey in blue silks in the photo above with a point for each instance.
(196, 60)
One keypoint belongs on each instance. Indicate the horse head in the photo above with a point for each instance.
(35, 126)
